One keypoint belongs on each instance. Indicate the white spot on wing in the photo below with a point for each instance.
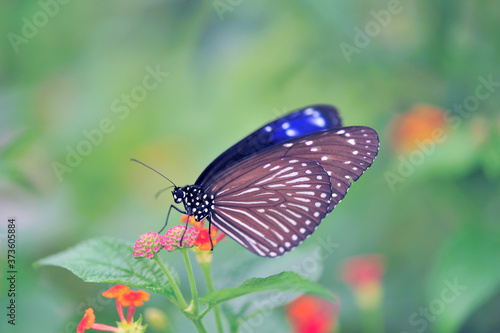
(298, 180)
(306, 192)
(302, 185)
(293, 213)
(292, 174)
(250, 190)
(304, 208)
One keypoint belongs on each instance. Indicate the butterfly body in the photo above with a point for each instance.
(271, 190)
(196, 202)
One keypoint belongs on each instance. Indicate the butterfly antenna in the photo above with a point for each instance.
(161, 191)
(147, 166)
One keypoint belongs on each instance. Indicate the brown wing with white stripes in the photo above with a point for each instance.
(344, 154)
(271, 202)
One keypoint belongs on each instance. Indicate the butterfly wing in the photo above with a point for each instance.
(296, 124)
(271, 202)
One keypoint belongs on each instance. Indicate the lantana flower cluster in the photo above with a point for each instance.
(176, 238)
(124, 297)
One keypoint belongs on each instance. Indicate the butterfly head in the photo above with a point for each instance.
(179, 194)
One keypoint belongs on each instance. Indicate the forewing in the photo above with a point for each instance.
(296, 124)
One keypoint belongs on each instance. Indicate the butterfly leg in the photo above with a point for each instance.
(185, 229)
(168, 214)
(209, 233)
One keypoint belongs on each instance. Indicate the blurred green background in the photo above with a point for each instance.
(77, 100)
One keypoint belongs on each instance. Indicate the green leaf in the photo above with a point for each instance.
(108, 260)
(465, 276)
(284, 281)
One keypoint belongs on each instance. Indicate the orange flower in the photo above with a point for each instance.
(364, 275)
(126, 297)
(135, 298)
(203, 239)
(312, 314)
(193, 222)
(115, 291)
(88, 322)
(421, 123)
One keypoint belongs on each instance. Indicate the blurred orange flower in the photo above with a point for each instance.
(312, 314)
(364, 275)
(115, 291)
(126, 297)
(203, 240)
(135, 298)
(88, 322)
(421, 123)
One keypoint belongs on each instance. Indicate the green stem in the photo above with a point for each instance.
(205, 267)
(192, 283)
(207, 310)
(181, 302)
(199, 326)
(372, 320)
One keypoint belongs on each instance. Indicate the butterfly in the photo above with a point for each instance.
(271, 190)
